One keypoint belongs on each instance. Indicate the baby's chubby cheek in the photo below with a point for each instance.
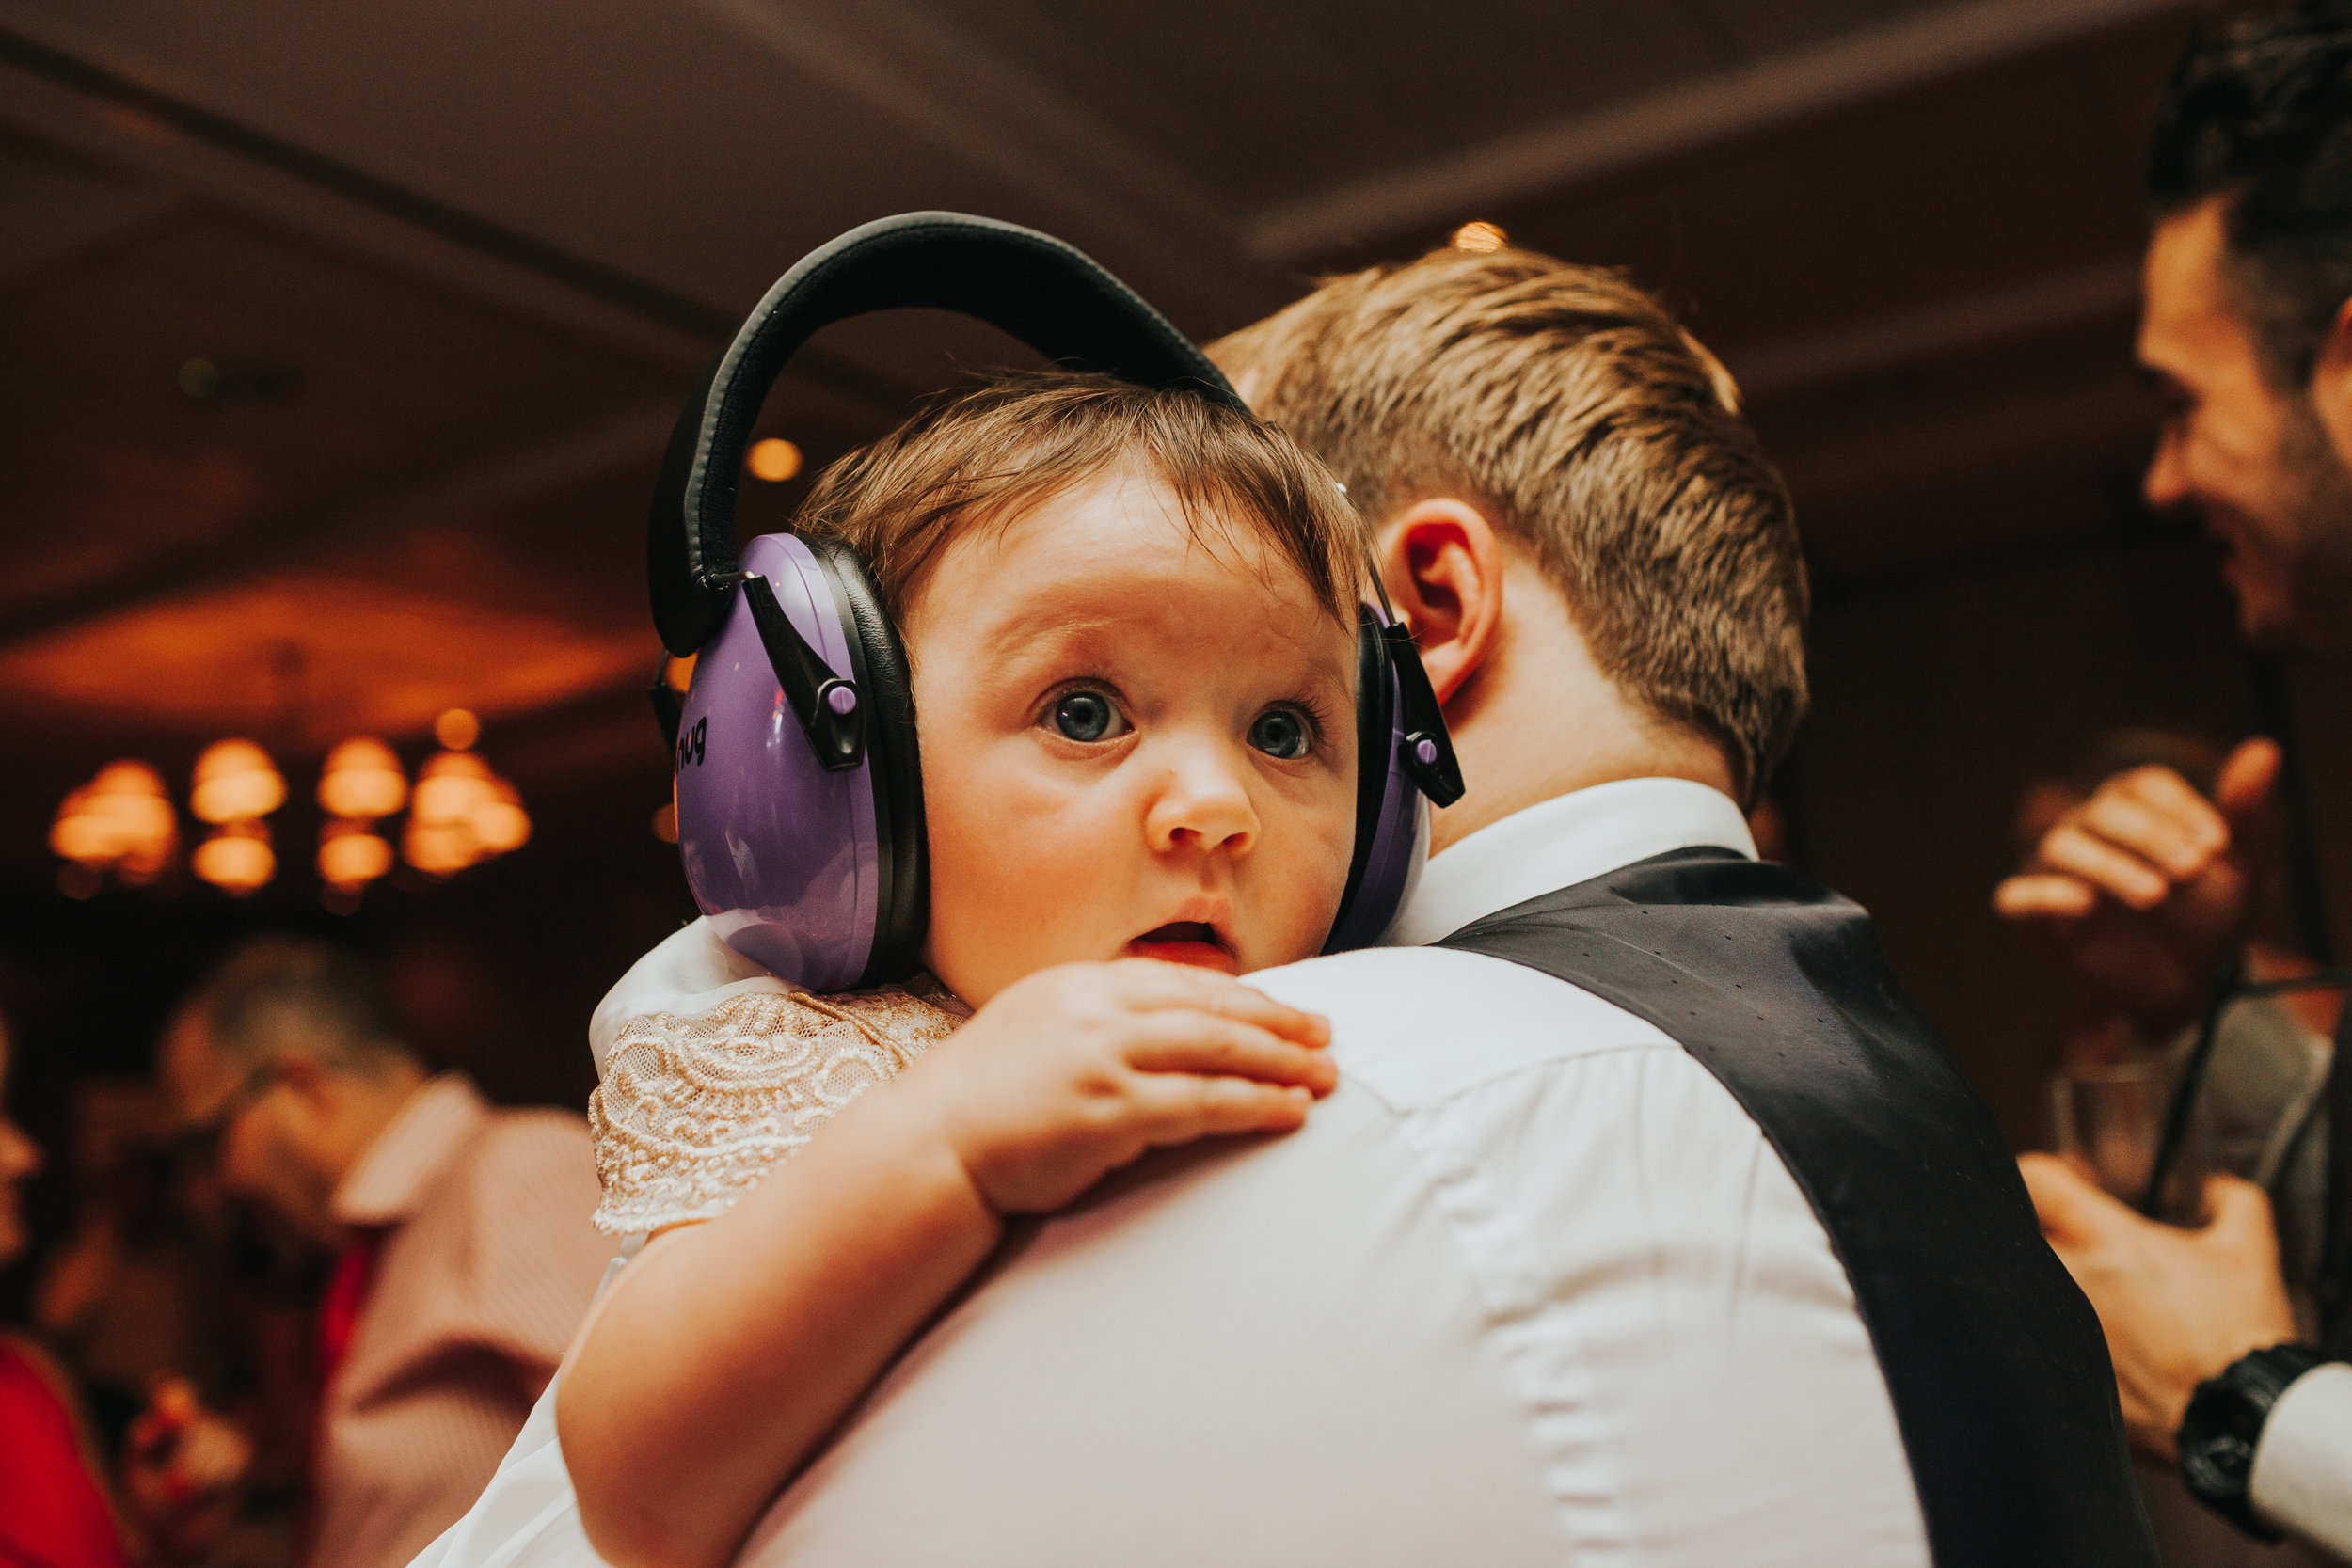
(1008, 900)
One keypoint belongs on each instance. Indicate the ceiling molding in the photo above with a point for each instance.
(67, 96)
(2034, 308)
(1743, 101)
(989, 113)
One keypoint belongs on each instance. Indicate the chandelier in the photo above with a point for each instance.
(123, 826)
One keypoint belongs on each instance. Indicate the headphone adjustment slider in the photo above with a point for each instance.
(1425, 756)
(832, 711)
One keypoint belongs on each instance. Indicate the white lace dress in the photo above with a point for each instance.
(711, 1070)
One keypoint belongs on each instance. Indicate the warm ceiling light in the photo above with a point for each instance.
(82, 836)
(122, 816)
(457, 729)
(500, 823)
(449, 786)
(237, 858)
(774, 460)
(438, 849)
(1480, 236)
(362, 778)
(235, 782)
(131, 797)
(350, 855)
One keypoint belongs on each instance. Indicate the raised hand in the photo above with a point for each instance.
(1075, 1070)
(2139, 892)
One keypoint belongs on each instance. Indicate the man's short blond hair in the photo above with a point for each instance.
(1572, 410)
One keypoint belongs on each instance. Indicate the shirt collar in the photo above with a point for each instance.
(1558, 843)
(388, 1181)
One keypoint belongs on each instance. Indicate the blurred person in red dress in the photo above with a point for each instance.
(181, 1467)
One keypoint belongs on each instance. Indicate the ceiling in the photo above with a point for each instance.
(338, 343)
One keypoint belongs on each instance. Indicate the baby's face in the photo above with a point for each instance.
(1134, 744)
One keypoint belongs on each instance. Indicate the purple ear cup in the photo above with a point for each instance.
(782, 852)
(799, 775)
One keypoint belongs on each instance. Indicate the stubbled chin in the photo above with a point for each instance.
(1201, 955)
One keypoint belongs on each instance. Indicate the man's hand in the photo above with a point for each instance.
(2178, 1306)
(1076, 1070)
(184, 1469)
(2138, 892)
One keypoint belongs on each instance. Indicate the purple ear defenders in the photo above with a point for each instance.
(800, 785)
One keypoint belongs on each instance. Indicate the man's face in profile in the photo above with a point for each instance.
(2249, 459)
(248, 1127)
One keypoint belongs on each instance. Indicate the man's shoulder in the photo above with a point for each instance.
(524, 1168)
(1418, 1025)
(535, 1144)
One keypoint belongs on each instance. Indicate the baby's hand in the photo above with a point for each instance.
(1075, 1070)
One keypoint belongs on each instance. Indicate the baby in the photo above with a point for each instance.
(1130, 620)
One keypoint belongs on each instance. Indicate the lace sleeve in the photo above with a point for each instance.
(694, 1111)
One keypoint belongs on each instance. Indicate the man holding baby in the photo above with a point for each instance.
(1555, 1274)
(1636, 1216)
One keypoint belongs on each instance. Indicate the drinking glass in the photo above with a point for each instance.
(2110, 1122)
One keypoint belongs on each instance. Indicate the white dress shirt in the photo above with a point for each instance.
(1527, 1288)
(2302, 1479)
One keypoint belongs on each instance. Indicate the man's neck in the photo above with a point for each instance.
(1538, 719)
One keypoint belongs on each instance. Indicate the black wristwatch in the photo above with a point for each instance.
(2224, 1427)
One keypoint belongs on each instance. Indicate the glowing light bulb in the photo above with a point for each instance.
(80, 834)
(236, 782)
(500, 823)
(121, 818)
(363, 779)
(236, 858)
(449, 786)
(1480, 236)
(350, 856)
(438, 849)
(774, 460)
(457, 729)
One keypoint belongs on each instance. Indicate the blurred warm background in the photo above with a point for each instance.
(338, 346)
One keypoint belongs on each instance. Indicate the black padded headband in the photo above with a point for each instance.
(1048, 294)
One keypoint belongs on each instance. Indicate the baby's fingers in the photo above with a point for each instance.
(1180, 986)
(1173, 1041)
(1176, 1107)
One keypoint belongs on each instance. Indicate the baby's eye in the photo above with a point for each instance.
(1087, 716)
(1281, 733)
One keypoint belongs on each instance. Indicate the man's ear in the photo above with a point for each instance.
(2331, 383)
(1443, 568)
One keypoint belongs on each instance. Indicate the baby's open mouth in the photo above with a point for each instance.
(1185, 941)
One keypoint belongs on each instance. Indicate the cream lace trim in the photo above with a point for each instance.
(694, 1111)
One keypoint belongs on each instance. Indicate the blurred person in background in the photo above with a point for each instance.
(465, 1260)
(181, 1467)
(160, 1289)
(2259, 1105)
(2258, 1111)
(2143, 890)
